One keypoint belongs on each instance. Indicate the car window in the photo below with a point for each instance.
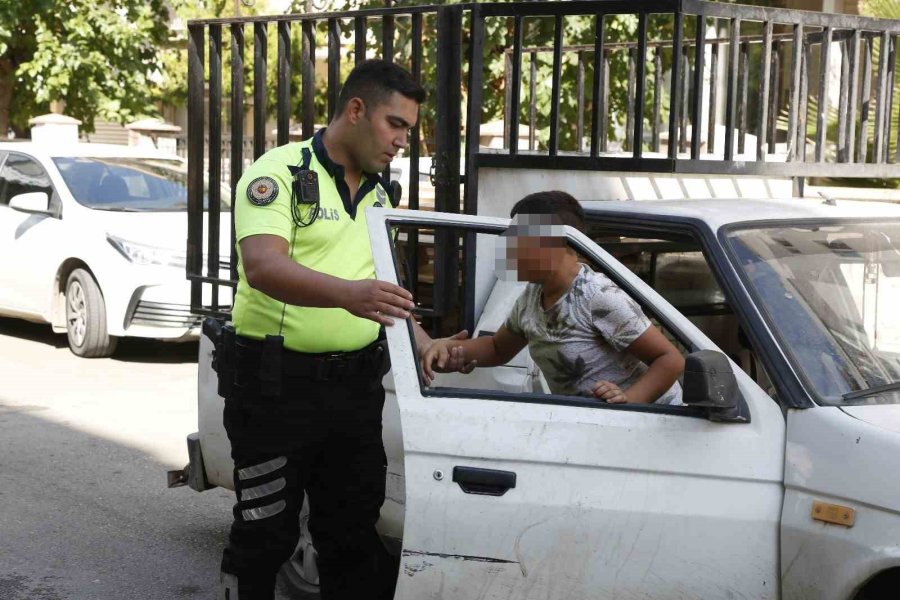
(520, 379)
(20, 175)
(129, 184)
(673, 264)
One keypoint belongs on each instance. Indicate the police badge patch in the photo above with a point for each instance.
(262, 191)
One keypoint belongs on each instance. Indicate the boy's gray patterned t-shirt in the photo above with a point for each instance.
(582, 338)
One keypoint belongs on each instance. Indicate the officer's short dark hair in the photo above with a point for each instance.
(374, 80)
(553, 202)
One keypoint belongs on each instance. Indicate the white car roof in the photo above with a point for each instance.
(719, 212)
(85, 150)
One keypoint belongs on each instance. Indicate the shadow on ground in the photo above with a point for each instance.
(128, 349)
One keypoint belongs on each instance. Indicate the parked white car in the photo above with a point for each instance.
(779, 478)
(93, 241)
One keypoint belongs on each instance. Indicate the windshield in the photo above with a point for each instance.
(830, 292)
(129, 184)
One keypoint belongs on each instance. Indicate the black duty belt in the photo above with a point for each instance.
(372, 360)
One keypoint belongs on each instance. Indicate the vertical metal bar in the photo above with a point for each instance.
(554, 93)
(334, 66)
(448, 122)
(359, 40)
(794, 102)
(763, 114)
(640, 82)
(713, 100)
(675, 85)
(532, 100)
(507, 97)
(657, 98)
(284, 81)
(775, 98)
(515, 86)
(878, 147)
(414, 151)
(697, 106)
(597, 108)
(387, 40)
(579, 93)
(822, 119)
(604, 115)
(260, 68)
(889, 99)
(843, 108)
(685, 100)
(866, 106)
(214, 169)
(804, 100)
(195, 134)
(237, 126)
(731, 94)
(743, 108)
(629, 102)
(473, 125)
(854, 96)
(308, 78)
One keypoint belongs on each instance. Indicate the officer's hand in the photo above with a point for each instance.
(377, 301)
(438, 353)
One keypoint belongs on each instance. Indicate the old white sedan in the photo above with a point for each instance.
(93, 241)
(777, 479)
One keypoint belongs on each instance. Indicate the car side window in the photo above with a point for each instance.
(674, 265)
(20, 175)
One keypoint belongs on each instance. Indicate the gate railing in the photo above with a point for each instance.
(709, 88)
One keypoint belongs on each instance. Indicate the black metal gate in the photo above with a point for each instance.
(752, 71)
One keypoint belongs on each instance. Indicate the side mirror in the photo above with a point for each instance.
(32, 202)
(709, 382)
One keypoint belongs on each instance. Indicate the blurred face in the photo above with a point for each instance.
(534, 248)
(382, 130)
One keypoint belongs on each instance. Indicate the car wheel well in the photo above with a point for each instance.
(58, 312)
(882, 586)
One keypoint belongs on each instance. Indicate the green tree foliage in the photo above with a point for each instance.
(96, 57)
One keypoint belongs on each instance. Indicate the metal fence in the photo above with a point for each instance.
(731, 89)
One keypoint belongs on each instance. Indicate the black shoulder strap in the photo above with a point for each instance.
(305, 161)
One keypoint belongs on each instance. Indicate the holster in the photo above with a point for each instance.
(222, 336)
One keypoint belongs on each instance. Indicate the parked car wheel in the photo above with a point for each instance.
(300, 573)
(86, 317)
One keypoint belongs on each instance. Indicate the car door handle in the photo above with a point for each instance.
(486, 482)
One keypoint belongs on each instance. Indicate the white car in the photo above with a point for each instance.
(93, 241)
(779, 478)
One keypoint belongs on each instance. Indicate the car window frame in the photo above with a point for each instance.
(533, 397)
(815, 399)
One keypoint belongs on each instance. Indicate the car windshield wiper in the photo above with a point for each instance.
(872, 391)
(119, 209)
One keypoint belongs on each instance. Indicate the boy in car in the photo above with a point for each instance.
(587, 335)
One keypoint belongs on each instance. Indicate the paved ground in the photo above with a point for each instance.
(84, 446)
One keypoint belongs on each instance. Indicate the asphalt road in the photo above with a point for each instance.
(85, 513)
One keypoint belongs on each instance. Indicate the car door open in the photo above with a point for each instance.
(535, 495)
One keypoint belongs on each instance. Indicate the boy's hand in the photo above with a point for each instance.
(609, 392)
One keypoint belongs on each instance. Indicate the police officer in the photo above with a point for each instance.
(303, 412)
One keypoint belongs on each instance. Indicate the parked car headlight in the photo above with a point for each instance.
(142, 254)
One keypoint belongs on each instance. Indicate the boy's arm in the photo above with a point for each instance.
(664, 363)
(486, 351)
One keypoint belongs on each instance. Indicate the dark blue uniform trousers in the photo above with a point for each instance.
(321, 437)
